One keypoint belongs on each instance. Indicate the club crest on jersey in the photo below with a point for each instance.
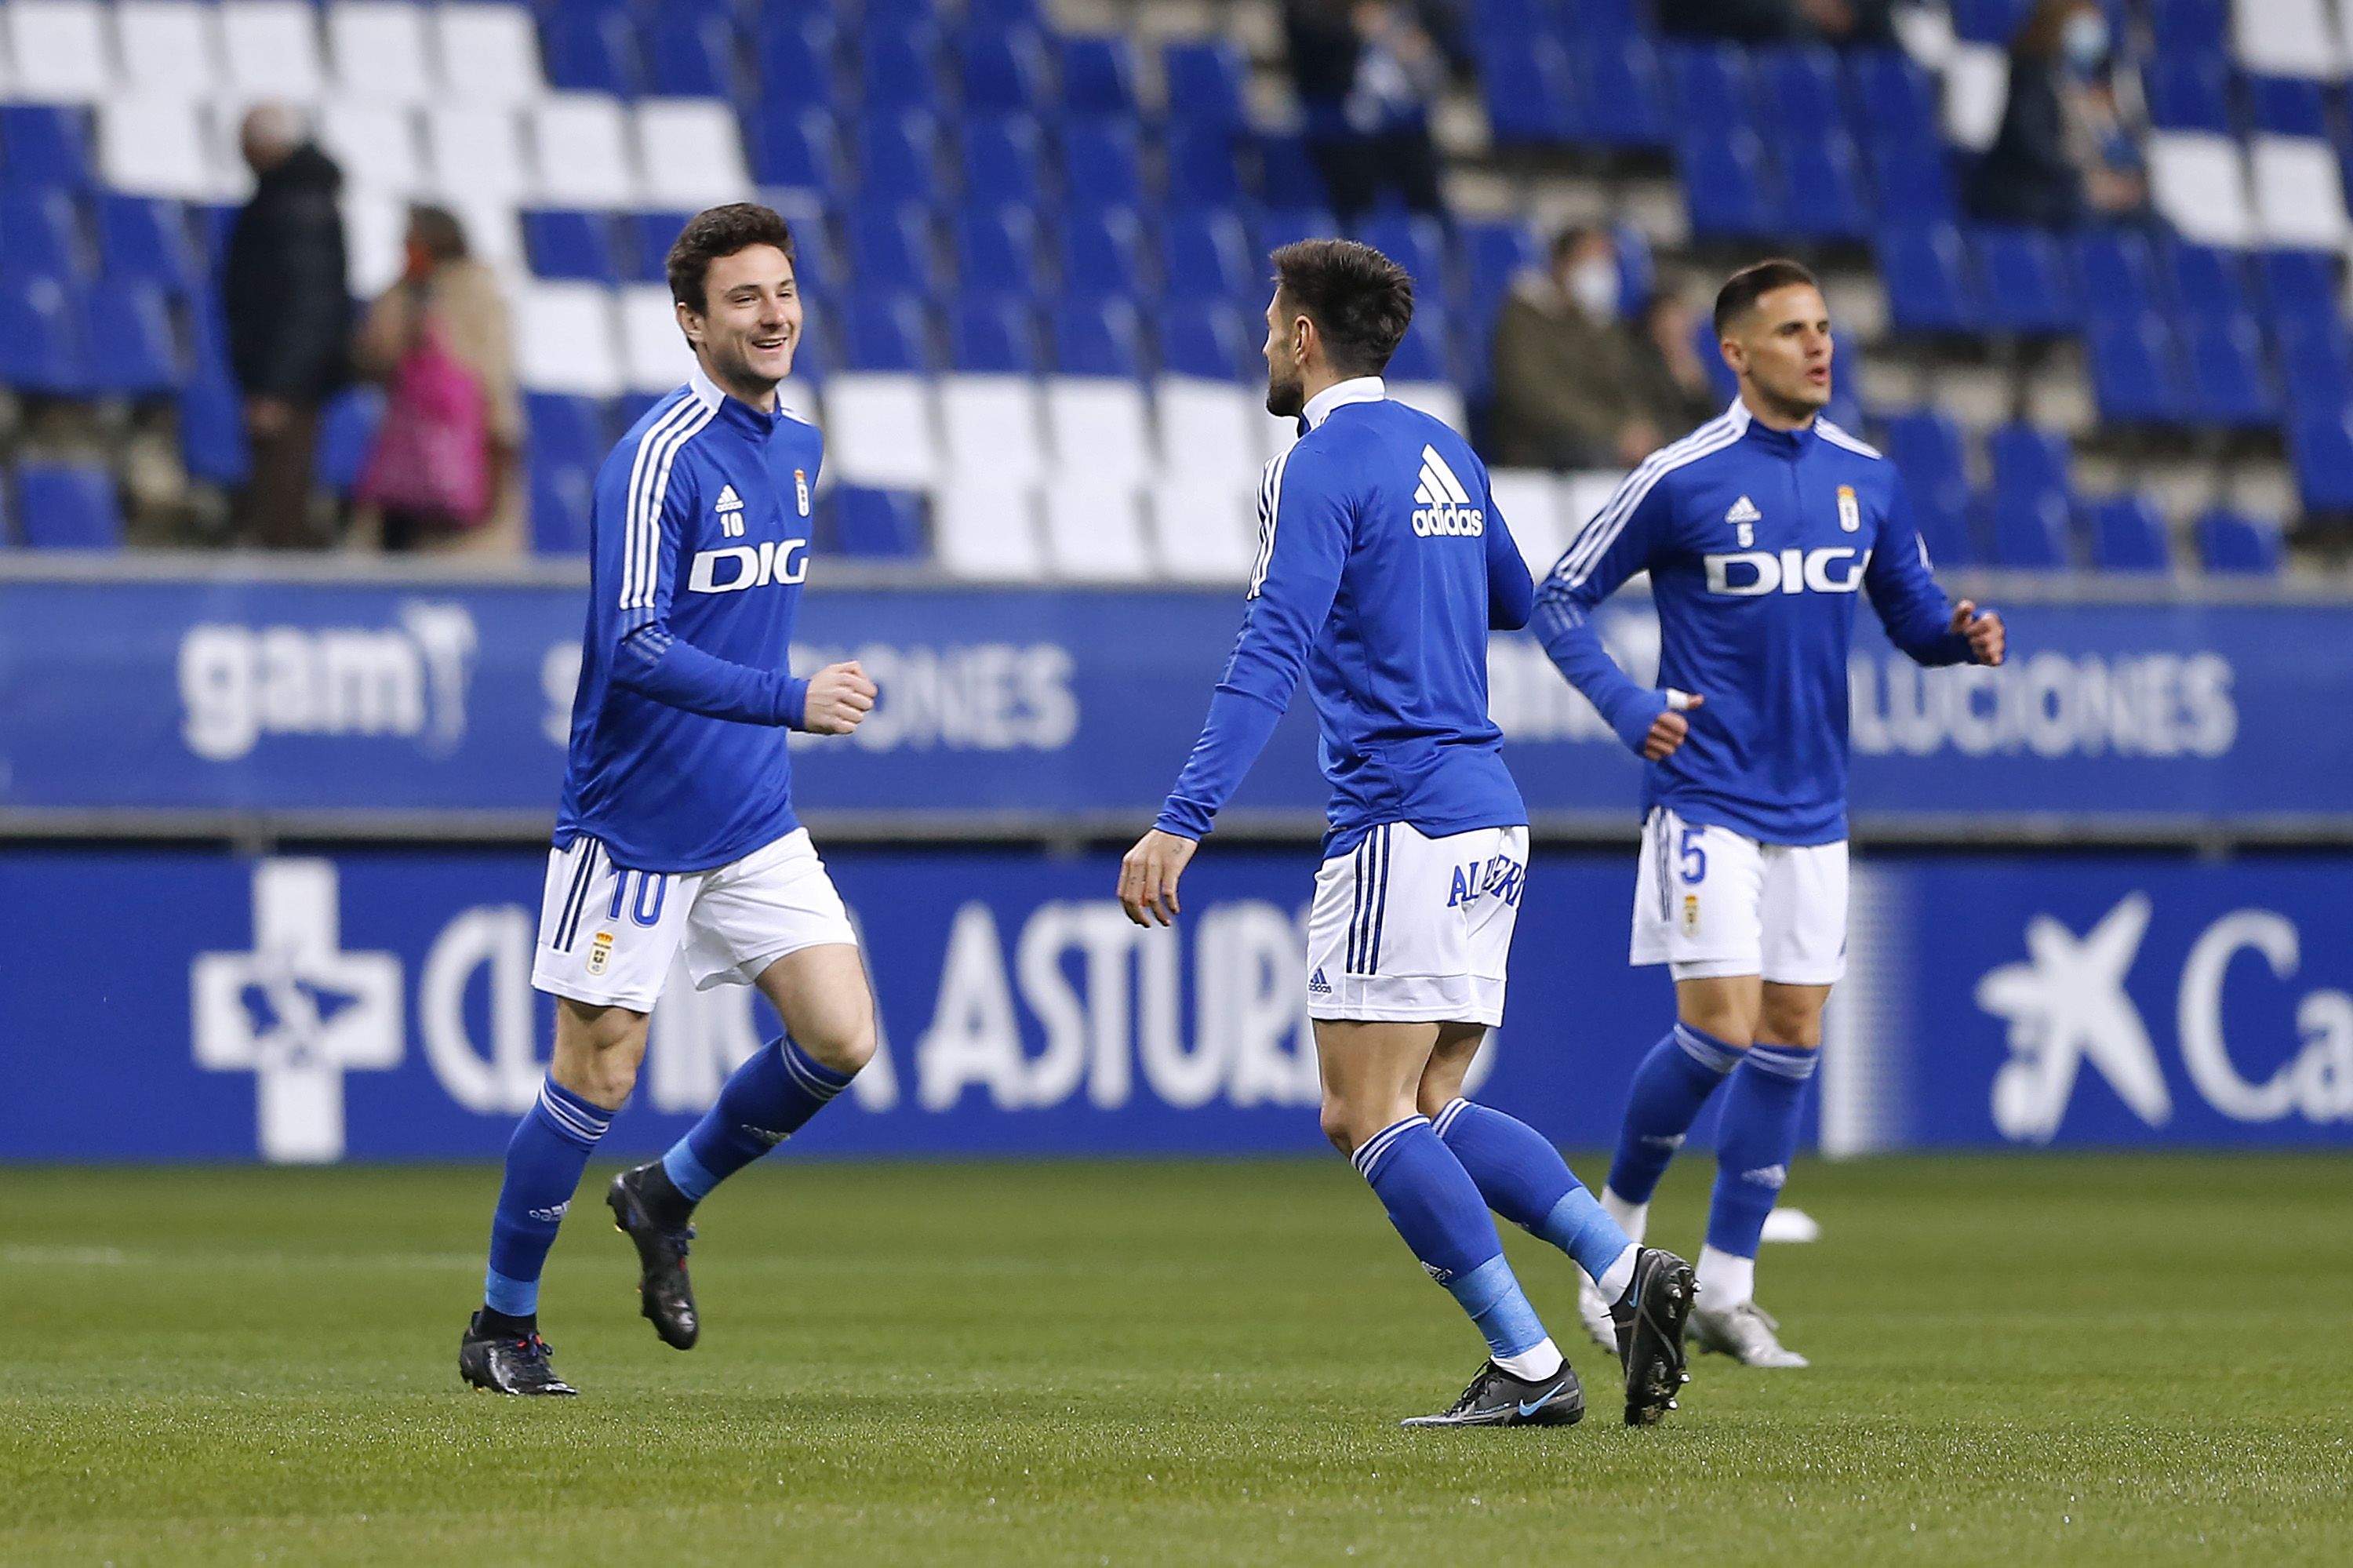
(1850, 509)
(1744, 517)
(1443, 505)
(730, 508)
(800, 489)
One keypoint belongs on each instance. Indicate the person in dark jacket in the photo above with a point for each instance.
(288, 314)
(2063, 153)
(1367, 72)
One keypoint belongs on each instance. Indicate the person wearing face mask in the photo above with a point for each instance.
(2065, 153)
(1567, 394)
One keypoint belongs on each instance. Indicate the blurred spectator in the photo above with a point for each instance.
(1849, 24)
(2063, 152)
(1674, 382)
(1567, 392)
(289, 318)
(1367, 72)
(438, 338)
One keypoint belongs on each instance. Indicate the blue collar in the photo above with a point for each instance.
(735, 410)
(1783, 443)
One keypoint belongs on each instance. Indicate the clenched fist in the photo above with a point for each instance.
(840, 695)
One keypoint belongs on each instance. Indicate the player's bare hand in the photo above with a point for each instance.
(1987, 641)
(840, 695)
(1668, 730)
(1148, 873)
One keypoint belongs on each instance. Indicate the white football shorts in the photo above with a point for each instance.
(1408, 929)
(1710, 902)
(606, 936)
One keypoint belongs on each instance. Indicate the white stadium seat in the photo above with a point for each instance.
(1530, 500)
(1098, 431)
(493, 235)
(1209, 427)
(692, 153)
(1582, 496)
(2286, 37)
(271, 50)
(378, 48)
(1096, 534)
(375, 230)
(1438, 399)
(1205, 527)
(564, 339)
(985, 530)
(992, 424)
(155, 147)
(2200, 182)
(582, 147)
(654, 354)
(1976, 92)
(477, 153)
(169, 49)
(59, 50)
(2299, 191)
(879, 432)
(375, 144)
(488, 54)
(1275, 435)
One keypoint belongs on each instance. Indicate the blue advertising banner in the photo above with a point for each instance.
(1034, 707)
(377, 1005)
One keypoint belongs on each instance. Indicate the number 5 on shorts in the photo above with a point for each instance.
(1694, 855)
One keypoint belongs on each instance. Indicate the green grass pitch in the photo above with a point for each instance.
(2016, 1360)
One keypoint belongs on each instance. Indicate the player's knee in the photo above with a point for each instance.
(1791, 1025)
(845, 1048)
(1338, 1125)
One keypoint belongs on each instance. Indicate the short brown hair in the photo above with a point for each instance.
(438, 229)
(716, 232)
(1752, 283)
(1358, 299)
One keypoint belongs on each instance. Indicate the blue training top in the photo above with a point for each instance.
(1756, 541)
(699, 540)
(1382, 564)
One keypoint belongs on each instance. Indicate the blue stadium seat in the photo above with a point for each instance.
(1287, 178)
(560, 499)
(1624, 102)
(2317, 362)
(1531, 90)
(2189, 28)
(1929, 285)
(1822, 187)
(1711, 89)
(47, 144)
(212, 431)
(1002, 13)
(2299, 286)
(2032, 495)
(1495, 252)
(2322, 448)
(886, 331)
(1927, 451)
(590, 50)
(140, 238)
(2028, 288)
(40, 233)
(690, 54)
(630, 407)
(902, 67)
(1896, 98)
(1205, 85)
(1100, 252)
(1001, 157)
(2224, 357)
(1004, 70)
(41, 347)
(890, 249)
(1205, 255)
(878, 522)
(1728, 186)
(797, 60)
(2288, 105)
(1098, 77)
(1611, 19)
(997, 250)
(1202, 169)
(1096, 337)
(68, 506)
(647, 237)
(2207, 279)
(1801, 91)
(1415, 242)
(2188, 92)
(347, 427)
(1512, 23)
(1204, 338)
(2118, 271)
(1280, 227)
(565, 429)
(2030, 533)
(1990, 21)
(1845, 407)
(1638, 275)
(570, 245)
(1710, 350)
(1100, 165)
(2136, 372)
(816, 262)
(2127, 536)
(993, 336)
(796, 145)
(128, 327)
(1422, 355)
(2231, 544)
(899, 155)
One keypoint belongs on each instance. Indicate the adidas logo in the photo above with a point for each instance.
(1317, 985)
(550, 1216)
(1773, 1176)
(730, 502)
(1444, 506)
(1744, 511)
(730, 508)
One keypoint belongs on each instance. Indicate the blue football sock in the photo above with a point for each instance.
(1757, 1138)
(766, 1100)
(1522, 1178)
(1437, 1208)
(544, 1158)
(1670, 1087)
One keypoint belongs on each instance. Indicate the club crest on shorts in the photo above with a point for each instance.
(1690, 913)
(800, 489)
(1850, 509)
(600, 952)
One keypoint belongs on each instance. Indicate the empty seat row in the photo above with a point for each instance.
(60, 507)
(2272, 190)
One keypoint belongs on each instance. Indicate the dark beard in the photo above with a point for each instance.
(1286, 400)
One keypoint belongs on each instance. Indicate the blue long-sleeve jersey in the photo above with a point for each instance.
(699, 540)
(1382, 564)
(1756, 541)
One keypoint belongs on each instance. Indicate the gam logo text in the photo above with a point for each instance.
(240, 682)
